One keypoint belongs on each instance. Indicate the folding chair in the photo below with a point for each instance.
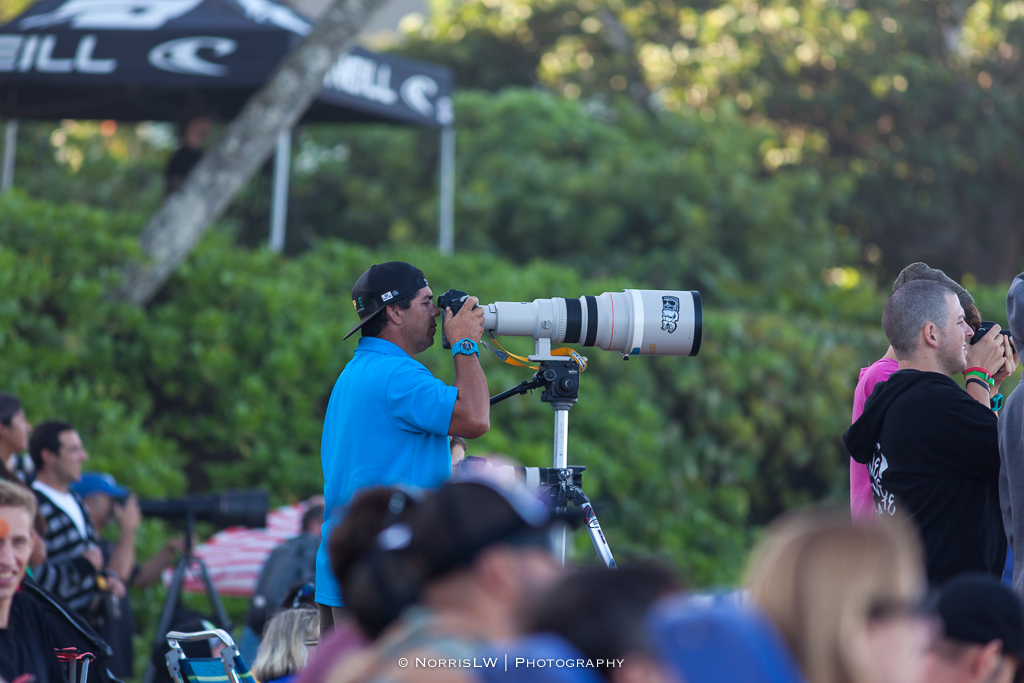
(72, 657)
(228, 668)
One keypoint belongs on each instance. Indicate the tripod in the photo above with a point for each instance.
(560, 379)
(174, 595)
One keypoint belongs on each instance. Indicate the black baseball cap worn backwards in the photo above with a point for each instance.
(382, 284)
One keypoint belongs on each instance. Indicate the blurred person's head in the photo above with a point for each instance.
(370, 512)
(470, 549)
(195, 131)
(14, 428)
(283, 650)
(101, 492)
(58, 454)
(983, 633)
(17, 512)
(844, 596)
(924, 322)
(701, 640)
(312, 519)
(601, 612)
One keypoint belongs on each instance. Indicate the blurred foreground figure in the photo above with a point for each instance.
(283, 650)
(716, 642)
(601, 612)
(845, 597)
(26, 644)
(461, 573)
(983, 636)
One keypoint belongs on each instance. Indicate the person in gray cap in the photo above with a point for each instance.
(389, 419)
(983, 634)
(861, 499)
(1011, 445)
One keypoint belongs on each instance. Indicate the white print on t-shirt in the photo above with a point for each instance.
(885, 502)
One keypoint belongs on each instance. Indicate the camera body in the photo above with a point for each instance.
(983, 329)
(453, 299)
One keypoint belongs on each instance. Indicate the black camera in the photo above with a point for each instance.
(453, 299)
(983, 329)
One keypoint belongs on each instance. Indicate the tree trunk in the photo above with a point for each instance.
(185, 215)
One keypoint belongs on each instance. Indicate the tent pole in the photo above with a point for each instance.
(446, 202)
(10, 144)
(279, 205)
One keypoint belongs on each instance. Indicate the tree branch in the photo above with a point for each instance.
(183, 218)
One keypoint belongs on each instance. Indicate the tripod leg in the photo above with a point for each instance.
(218, 606)
(167, 615)
(604, 551)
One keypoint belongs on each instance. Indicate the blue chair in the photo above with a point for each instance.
(230, 667)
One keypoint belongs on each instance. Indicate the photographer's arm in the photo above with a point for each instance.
(122, 559)
(471, 417)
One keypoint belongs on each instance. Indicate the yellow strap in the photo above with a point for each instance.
(524, 362)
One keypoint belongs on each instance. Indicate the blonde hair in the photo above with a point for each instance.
(18, 496)
(283, 650)
(817, 575)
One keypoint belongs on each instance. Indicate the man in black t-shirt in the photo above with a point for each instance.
(931, 449)
(26, 644)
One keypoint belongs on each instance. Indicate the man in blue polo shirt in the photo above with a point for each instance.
(389, 419)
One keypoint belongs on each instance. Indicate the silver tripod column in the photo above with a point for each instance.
(561, 461)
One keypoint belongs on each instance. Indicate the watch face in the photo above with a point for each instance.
(467, 345)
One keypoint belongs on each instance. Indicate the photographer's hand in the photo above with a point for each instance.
(471, 417)
(988, 352)
(468, 324)
(1010, 362)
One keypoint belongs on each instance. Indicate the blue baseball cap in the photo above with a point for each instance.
(708, 643)
(99, 482)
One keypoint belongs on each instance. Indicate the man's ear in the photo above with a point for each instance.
(988, 660)
(394, 314)
(930, 331)
(48, 456)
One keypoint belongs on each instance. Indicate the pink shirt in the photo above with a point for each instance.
(862, 502)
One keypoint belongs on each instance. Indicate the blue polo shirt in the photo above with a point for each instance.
(387, 423)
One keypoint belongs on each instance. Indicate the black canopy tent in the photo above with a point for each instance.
(160, 60)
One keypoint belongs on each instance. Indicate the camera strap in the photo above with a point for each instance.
(506, 356)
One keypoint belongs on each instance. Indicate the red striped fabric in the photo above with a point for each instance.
(235, 556)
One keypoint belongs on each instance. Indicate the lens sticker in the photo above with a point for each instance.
(669, 313)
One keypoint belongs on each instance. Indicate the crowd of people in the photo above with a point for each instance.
(406, 573)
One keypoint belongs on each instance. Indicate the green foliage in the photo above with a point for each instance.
(226, 376)
(917, 100)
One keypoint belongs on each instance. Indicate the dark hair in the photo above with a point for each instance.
(458, 440)
(602, 611)
(314, 513)
(972, 316)
(9, 407)
(46, 437)
(376, 325)
(370, 512)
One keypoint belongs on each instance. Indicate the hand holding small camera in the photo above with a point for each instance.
(467, 323)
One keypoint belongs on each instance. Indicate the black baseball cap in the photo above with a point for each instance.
(382, 284)
(977, 608)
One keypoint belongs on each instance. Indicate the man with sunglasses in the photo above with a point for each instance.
(389, 419)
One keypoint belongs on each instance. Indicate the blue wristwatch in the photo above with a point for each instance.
(466, 347)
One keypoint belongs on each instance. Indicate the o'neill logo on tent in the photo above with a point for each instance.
(181, 56)
(140, 15)
(27, 53)
(363, 77)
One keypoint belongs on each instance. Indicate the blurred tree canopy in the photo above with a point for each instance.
(916, 101)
